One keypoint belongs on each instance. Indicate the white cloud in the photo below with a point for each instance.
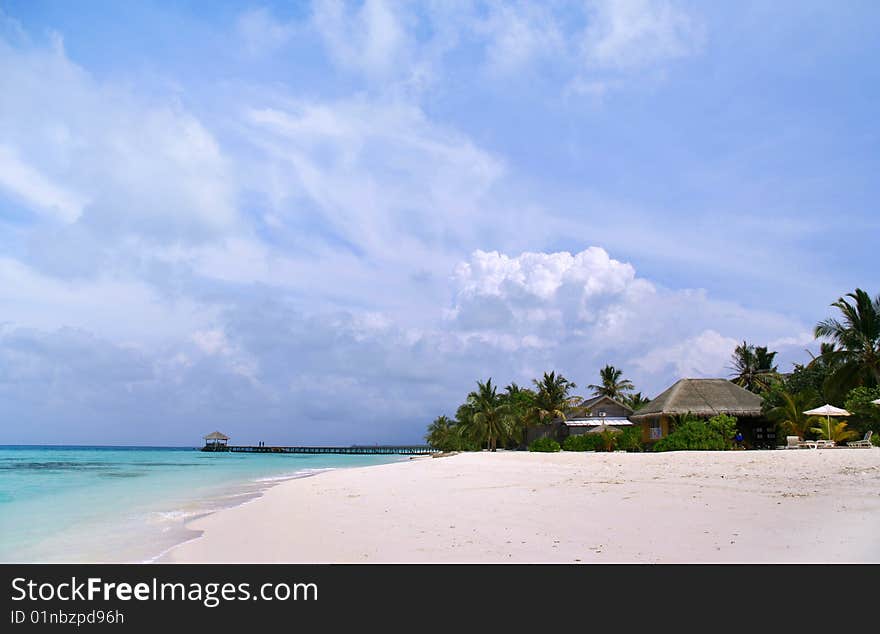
(211, 341)
(261, 34)
(519, 34)
(401, 45)
(588, 309)
(704, 355)
(105, 156)
(633, 33)
(542, 274)
(371, 170)
(35, 190)
(371, 39)
(121, 309)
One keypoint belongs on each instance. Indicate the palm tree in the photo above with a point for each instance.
(679, 420)
(521, 401)
(491, 418)
(636, 401)
(855, 359)
(753, 367)
(790, 415)
(609, 437)
(612, 385)
(552, 399)
(441, 432)
(834, 431)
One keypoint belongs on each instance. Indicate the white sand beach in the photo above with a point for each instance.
(744, 506)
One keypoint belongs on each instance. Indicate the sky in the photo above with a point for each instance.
(321, 222)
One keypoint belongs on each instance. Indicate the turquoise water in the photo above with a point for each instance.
(101, 504)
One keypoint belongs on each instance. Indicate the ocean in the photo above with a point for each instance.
(131, 504)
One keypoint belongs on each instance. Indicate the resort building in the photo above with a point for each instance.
(596, 412)
(705, 398)
(591, 415)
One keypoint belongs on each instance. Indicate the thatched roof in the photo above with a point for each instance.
(216, 435)
(702, 397)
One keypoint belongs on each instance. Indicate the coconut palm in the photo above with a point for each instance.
(753, 367)
(790, 414)
(521, 401)
(552, 399)
(611, 384)
(608, 438)
(855, 359)
(491, 419)
(636, 401)
(834, 431)
(443, 434)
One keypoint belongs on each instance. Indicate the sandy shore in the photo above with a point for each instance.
(771, 506)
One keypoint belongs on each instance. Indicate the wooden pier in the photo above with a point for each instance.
(358, 450)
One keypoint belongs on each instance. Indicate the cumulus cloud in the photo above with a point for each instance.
(588, 308)
(703, 355)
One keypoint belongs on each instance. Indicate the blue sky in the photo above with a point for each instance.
(322, 221)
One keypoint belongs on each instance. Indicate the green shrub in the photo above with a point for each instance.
(585, 442)
(544, 444)
(630, 438)
(715, 434)
(866, 415)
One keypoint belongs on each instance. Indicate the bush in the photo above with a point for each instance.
(630, 438)
(715, 434)
(585, 442)
(866, 415)
(544, 444)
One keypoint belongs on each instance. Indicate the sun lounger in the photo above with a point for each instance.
(824, 444)
(864, 442)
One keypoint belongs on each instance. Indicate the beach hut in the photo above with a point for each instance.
(705, 398)
(215, 441)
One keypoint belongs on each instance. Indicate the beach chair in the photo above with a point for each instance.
(824, 444)
(791, 442)
(864, 442)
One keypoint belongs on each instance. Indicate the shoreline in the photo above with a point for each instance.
(100, 506)
(268, 483)
(772, 506)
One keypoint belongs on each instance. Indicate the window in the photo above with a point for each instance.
(656, 431)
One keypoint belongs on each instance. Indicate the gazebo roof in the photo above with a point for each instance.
(702, 397)
(216, 435)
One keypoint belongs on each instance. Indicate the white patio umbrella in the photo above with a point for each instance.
(598, 429)
(827, 411)
(877, 402)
